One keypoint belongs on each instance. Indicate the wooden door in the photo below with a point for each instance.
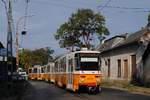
(119, 67)
(109, 68)
(133, 61)
(125, 68)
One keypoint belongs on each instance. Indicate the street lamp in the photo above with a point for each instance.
(17, 35)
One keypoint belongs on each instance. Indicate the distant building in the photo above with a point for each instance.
(1, 45)
(122, 56)
(2, 56)
(3, 69)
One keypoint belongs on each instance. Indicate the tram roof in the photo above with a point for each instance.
(37, 66)
(86, 51)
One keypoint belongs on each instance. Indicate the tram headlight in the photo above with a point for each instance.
(81, 80)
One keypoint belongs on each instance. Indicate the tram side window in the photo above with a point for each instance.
(56, 67)
(77, 63)
(48, 68)
(64, 64)
(30, 70)
(61, 65)
(70, 65)
(35, 70)
(42, 70)
(38, 70)
(100, 64)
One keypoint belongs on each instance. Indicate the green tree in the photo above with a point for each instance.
(81, 29)
(42, 55)
(28, 58)
(25, 58)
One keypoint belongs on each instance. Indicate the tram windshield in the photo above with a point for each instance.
(88, 65)
(87, 62)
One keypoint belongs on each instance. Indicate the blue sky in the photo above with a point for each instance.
(50, 14)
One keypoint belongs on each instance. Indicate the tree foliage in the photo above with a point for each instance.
(40, 56)
(25, 58)
(81, 29)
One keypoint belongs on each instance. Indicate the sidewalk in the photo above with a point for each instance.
(127, 87)
(13, 93)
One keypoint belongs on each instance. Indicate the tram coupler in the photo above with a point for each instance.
(92, 89)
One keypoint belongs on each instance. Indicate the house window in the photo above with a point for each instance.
(119, 67)
(108, 67)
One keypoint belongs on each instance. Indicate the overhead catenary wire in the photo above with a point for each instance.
(127, 8)
(100, 7)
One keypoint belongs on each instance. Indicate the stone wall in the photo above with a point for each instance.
(123, 54)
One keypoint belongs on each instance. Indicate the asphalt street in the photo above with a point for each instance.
(39, 90)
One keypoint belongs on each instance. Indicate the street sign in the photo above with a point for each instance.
(3, 52)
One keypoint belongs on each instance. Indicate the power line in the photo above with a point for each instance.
(101, 7)
(105, 5)
(119, 7)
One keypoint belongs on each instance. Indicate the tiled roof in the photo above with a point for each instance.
(110, 43)
(131, 38)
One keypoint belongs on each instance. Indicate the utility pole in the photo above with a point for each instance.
(17, 47)
(23, 32)
(9, 39)
(17, 38)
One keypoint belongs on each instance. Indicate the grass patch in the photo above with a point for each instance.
(124, 85)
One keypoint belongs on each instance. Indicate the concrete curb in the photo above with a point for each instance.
(132, 89)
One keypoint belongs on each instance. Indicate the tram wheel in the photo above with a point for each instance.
(92, 90)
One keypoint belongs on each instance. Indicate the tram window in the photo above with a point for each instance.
(48, 68)
(89, 66)
(70, 68)
(38, 71)
(100, 64)
(35, 70)
(77, 64)
(56, 67)
(64, 64)
(30, 70)
(87, 63)
(42, 70)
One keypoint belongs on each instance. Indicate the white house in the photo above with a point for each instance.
(121, 56)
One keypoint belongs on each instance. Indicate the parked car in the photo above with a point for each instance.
(22, 73)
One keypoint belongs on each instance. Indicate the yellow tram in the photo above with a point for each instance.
(73, 71)
(77, 70)
(36, 73)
